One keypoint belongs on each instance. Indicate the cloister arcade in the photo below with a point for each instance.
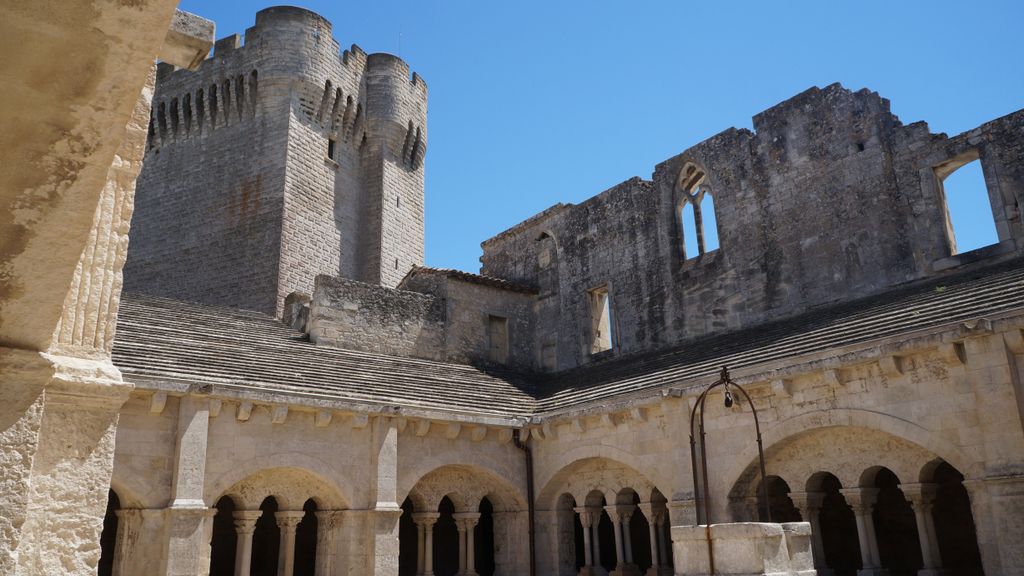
(463, 520)
(876, 503)
(604, 517)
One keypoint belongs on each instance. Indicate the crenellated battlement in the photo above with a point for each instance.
(279, 150)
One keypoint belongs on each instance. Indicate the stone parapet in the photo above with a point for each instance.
(745, 548)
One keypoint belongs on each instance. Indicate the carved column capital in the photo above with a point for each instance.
(288, 520)
(860, 499)
(807, 502)
(920, 495)
(245, 520)
(425, 519)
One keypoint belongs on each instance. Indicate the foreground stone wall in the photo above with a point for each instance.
(830, 199)
(74, 147)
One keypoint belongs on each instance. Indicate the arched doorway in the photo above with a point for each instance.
(895, 527)
(108, 537)
(224, 539)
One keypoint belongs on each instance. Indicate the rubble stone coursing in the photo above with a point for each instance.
(255, 203)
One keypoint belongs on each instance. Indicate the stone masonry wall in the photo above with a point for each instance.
(831, 199)
(468, 307)
(359, 316)
(238, 182)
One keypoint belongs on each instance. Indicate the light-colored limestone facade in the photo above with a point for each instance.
(534, 418)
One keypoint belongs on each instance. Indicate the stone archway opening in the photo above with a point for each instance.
(108, 537)
(446, 540)
(484, 539)
(305, 541)
(779, 502)
(895, 526)
(955, 531)
(224, 540)
(839, 544)
(408, 541)
(266, 540)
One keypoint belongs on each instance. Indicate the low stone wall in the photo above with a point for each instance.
(744, 548)
(358, 316)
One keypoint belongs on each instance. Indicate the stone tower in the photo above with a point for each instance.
(278, 160)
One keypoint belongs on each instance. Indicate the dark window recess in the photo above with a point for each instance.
(332, 149)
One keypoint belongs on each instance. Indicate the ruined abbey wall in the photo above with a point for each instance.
(830, 199)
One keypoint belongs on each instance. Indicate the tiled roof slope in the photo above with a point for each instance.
(941, 301)
(167, 340)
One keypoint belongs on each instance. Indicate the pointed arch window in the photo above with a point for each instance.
(695, 213)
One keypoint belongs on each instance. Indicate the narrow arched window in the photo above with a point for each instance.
(698, 225)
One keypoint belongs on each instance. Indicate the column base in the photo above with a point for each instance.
(626, 570)
(873, 571)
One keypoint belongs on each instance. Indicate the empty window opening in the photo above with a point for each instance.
(497, 334)
(600, 320)
(396, 263)
(696, 213)
(860, 146)
(253, 83)
(970, 224)
(398, 201)
(332, 149)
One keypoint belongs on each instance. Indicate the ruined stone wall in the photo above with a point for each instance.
(240, 181)
(831, 199)
(468, 308)
(359, 316)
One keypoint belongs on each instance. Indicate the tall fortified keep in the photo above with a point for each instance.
(278, 160)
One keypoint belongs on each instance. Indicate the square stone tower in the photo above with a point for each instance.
(278, 160)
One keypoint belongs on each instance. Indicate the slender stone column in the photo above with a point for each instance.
(328, 522)
(287, 521)
(426, 521)
(460, 527)
(922, 499)
(466, 522)
(627, 538)
(652, 535)
(586, 520)
(809, 504)
(661, 519)
(595, 525)
(862, 500)
(616, 518)
(245, 525)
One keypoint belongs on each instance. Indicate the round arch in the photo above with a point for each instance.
(290, 487)
(792, 429)
(465, 485)
(582, 476)
(412, 473)
(655, 478)
(314, 467)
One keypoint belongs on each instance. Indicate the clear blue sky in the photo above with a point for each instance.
(533, 103)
